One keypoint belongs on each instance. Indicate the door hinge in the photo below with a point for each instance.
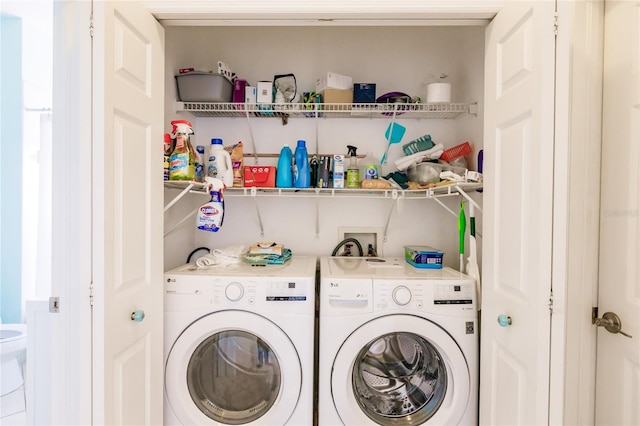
(550, 304)
(91, 26)
(91, 295)
(594, 314)
(555, 24)
(54, 304)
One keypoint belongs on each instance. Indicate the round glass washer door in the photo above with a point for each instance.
(233, 367)
(400, 370)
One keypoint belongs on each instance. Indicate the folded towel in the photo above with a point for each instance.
(268, 259)
(221, 257)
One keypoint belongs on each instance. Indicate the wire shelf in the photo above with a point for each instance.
(328, 110)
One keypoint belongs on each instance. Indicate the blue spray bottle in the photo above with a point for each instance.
(211, 214)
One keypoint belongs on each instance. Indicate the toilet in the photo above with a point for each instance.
(13, 345)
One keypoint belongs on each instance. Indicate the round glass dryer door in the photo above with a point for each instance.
(400, 370)
(235, 368)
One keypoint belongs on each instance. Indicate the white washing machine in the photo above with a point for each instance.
(239, 344)
(398, 344)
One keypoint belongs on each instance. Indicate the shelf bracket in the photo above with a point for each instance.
(394, 197)
(465, 195)
(254, 193)
(178, 197)
(445, 207)
(167, 232)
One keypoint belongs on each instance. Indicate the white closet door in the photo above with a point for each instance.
(128, 103)
(618, 357)
(518, 155)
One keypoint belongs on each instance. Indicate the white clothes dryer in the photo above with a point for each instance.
(398, 345)
(239, 344)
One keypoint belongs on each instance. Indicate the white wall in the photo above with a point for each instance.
(396, 59)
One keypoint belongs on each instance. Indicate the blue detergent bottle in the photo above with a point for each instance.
(301, 171)
(284, 173)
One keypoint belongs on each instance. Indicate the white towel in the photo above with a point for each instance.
(433, 153)
(221, 257)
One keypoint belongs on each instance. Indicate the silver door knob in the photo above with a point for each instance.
(611, 322)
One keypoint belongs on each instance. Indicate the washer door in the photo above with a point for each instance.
(233, 367)
(400, 370)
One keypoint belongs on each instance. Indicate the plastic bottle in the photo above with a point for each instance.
(370, 168)
(284, 172)
(182, 164)
(200, 163)
(168, 147)
(211, 214)
(301, 171)
(353, 172)
(219, 165)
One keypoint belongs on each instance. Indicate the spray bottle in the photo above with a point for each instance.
(353, 172)
(211, 214)
(183, 159)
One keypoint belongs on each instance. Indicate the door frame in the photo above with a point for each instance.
(576, 213)
(576, 210)
(71, 394)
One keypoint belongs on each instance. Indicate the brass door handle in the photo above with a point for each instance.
(611, 322)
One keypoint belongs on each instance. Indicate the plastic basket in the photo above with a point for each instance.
(455, 152)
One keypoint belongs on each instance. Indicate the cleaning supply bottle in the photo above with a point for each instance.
(211, 214)
(199, 163)
(353, 172)
(168, 147)
(301, 170)
(370, 168)
(182, 164)
(284, 172)
(219, 165)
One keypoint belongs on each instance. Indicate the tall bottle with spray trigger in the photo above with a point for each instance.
(211, 214)
(353, 172)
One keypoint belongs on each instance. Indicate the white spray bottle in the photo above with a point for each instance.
(211, 214)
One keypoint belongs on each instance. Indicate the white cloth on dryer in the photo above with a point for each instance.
(221, 257)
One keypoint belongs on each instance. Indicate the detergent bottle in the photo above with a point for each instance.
(301, 170)
(211, 214)
(182, 163)
(220, 165)
(284, 172)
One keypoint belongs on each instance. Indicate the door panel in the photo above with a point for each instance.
(128, 125)
(518, 146)
(618, 357)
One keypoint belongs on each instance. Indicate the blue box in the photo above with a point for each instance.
(423, 257)
(364, 93)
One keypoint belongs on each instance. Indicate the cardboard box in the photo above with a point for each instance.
(260, 176)
(250, 93)
(333, 80)
(364, 93)
(423, 257)
(338, 171)
(337, 96)
(264, 92)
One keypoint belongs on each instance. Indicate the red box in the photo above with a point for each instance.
(260, 176)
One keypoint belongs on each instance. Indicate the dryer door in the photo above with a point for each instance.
(233, 367)
(400, 370)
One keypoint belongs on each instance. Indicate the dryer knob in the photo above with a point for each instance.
(401, 295)
(234, 291)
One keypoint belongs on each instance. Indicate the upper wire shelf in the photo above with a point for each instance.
(329, 110)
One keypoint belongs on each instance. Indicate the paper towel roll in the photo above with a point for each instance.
(438, 92)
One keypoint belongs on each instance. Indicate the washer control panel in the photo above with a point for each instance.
(423, 295)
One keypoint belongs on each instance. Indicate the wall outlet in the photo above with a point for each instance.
(365, 235)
